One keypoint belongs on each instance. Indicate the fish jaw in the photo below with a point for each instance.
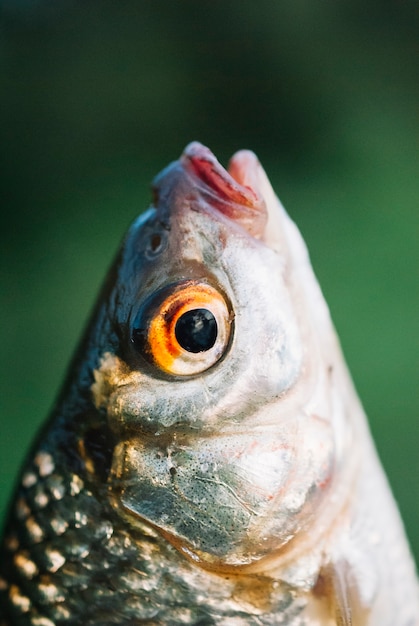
(229, 191)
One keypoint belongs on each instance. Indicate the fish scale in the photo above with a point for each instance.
(199, 477)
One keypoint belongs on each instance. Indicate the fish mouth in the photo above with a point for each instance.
(236, 192)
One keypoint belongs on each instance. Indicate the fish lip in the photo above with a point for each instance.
(243, 168)
(235, 191)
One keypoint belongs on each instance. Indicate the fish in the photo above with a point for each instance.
(208, 460)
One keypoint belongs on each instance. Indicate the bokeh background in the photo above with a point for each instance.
(96, 97)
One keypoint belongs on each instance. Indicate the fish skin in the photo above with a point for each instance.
(247, 494)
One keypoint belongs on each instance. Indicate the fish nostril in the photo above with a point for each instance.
(155, 242)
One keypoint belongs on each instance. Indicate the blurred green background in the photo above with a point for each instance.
(97, 97)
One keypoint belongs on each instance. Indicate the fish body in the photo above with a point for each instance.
(208, 461)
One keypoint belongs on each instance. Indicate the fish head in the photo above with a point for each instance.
(218, 394)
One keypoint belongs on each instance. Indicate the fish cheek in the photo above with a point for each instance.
(225, 501)
(178, 491)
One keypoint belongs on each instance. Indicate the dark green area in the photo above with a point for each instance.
(97, 97)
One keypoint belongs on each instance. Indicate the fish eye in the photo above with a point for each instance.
(196, 330)
(183, 329)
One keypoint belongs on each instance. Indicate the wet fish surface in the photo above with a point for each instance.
(208, 461)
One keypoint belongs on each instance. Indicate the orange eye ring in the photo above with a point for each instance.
(185, 330)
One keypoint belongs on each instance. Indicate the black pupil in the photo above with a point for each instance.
(196, 330)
